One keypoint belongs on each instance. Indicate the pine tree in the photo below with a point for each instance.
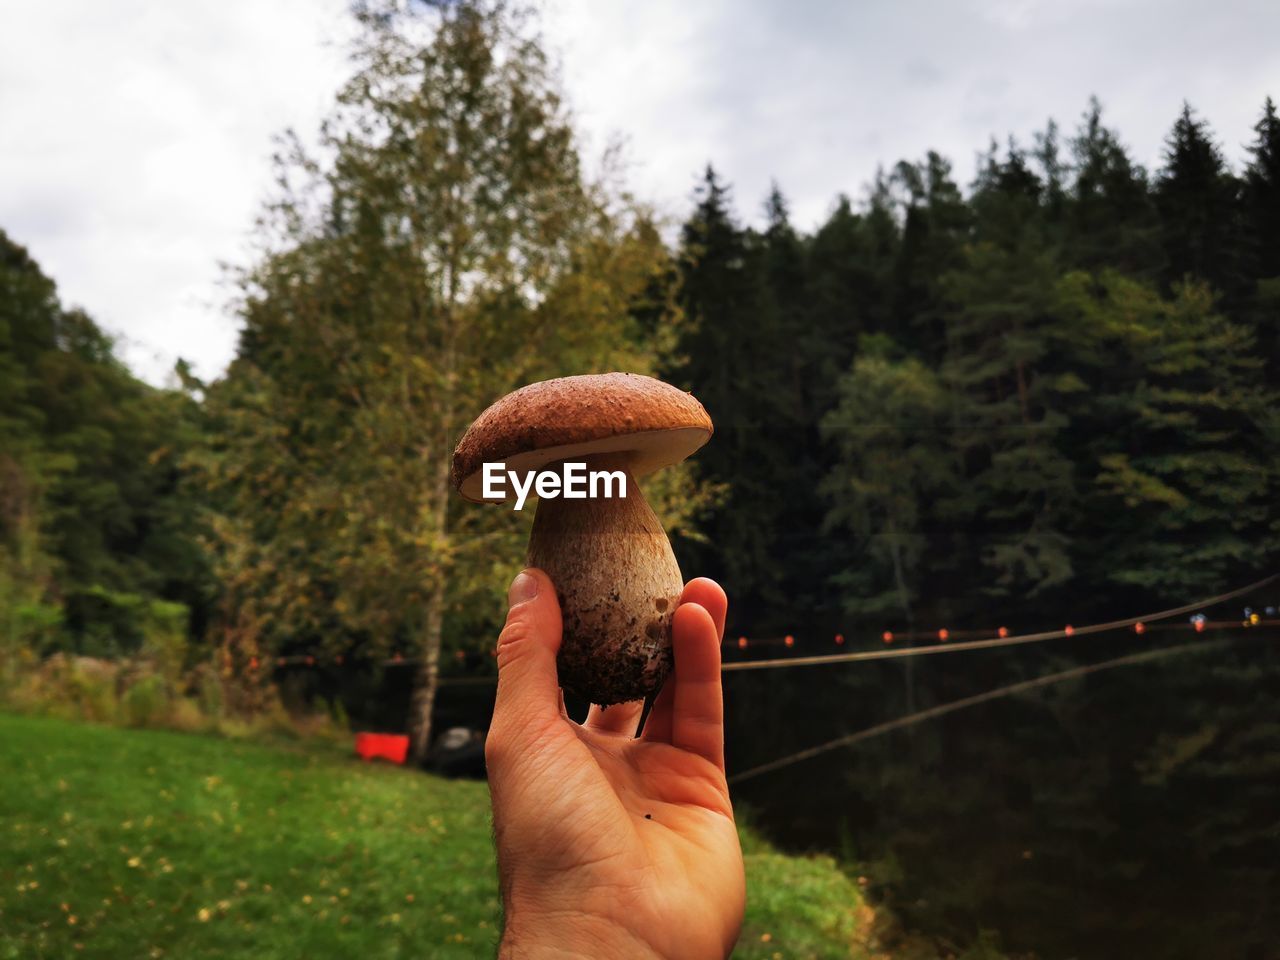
(1261, 195)
(935, 225)
(1111, 219)
(1261, 216)
(734, 354)
(1196, 196)
(999, 370)
(1172, 438)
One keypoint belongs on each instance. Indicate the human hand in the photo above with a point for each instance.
(612, 845)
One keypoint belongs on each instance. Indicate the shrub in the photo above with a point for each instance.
(185, 715)
(146, 702)
(89, 688)
(164, 633)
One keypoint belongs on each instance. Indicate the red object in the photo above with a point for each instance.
(742, 643)
(382, 746)
(253, 663)
(1002, 632)
(1139, 627)
(311, 661)
(887, 637)
(944, 634)
(789, 640)
(839, 640)
(1199, 626)
(1068, 629)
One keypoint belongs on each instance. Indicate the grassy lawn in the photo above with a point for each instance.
(130, 843)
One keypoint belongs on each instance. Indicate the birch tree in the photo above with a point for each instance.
(441, 247)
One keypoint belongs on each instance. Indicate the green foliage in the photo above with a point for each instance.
(146, 702)
(1009, 406)
(95, 529)
(1197, 197)
(1184, 486)
(892, 464)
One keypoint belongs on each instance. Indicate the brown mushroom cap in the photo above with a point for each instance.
(653, 423)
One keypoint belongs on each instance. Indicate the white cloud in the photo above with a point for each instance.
(137, 140)
(136, 135)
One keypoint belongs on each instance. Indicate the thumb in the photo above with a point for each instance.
(528, 687)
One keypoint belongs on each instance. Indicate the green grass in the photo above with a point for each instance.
(131, 843)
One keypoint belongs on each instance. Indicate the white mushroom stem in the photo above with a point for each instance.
(618, 584)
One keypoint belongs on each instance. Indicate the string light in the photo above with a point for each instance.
(1198, 622)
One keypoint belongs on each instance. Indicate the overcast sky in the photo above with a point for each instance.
(135, 136)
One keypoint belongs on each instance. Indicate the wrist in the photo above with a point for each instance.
(569, 936)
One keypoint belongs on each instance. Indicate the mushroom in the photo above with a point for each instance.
(617, 580)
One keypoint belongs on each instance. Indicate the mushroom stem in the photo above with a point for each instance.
(618, 584)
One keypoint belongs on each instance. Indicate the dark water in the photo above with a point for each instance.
(1129, 814)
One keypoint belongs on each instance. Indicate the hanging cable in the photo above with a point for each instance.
(954, 705)
(995, 641)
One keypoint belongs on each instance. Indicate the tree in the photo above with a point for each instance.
(728, 355)
(443, 249)
(893, 462)
(1175, 442)
(936, 221)
(1261, 214)
(1000, 371)
(92, 512)
(1261, 195)
(1196, 196)
(1111, 220)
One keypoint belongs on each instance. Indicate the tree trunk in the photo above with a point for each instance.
(424, 691)
(904, 595)
(427, 680)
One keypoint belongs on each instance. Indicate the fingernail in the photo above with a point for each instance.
(524, 587)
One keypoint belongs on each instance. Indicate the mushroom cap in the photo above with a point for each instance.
(648, 423)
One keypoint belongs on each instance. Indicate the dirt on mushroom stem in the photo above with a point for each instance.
(618, 584)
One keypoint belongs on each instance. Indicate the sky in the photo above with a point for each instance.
(136, 137)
